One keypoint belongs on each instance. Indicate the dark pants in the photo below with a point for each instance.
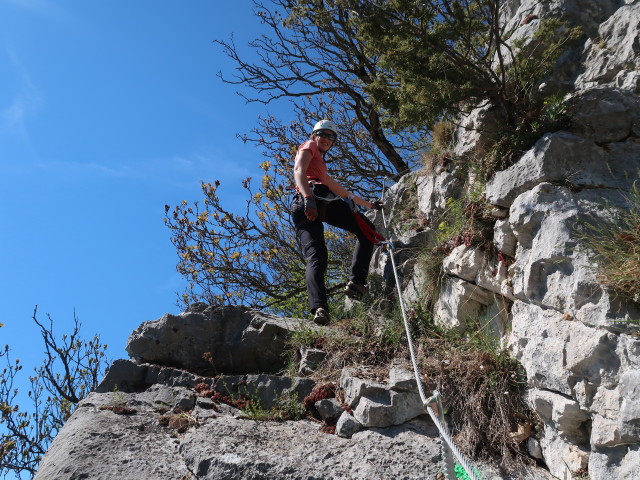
(311, 236)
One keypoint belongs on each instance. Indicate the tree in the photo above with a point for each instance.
(314, 57)
(440, 58)
(71, 369)
(385, 71)
(250, 258)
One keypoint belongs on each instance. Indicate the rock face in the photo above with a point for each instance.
(151, 421)
(236, 340)
(576, 340)
(298, 450)
(147, 438)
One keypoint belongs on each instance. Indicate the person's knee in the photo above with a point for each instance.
(316, 251)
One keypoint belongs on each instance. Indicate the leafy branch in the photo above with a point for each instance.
(71, 369)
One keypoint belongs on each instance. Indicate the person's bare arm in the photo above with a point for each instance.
(339, 190)
(300, 165)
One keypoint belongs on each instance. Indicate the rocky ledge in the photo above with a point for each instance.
(173, 421)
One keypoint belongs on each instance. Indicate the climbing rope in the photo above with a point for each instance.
(427, 403)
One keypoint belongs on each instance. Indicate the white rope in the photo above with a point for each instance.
(406, 323)
(444, 431)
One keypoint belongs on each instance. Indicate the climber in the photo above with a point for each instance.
(319, 198)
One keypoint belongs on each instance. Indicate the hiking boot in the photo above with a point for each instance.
(321, 316)
(355, 291)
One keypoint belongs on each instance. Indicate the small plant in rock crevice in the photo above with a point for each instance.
(208, 357)
(178, 421)
(321, 391)
(307, 336)
(287, 407)
(465, 221)
(615, 240)
(239, 401)
(439, 153)
(119, 405)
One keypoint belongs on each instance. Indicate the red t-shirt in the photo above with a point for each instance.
(317, 168)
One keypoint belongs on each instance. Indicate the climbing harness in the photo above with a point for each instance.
(366, 227)
(437, 415)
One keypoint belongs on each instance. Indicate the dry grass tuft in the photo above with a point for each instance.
(617, 247)
(482, 394)
(436, 158)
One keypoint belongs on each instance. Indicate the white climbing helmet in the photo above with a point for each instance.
(326, 125)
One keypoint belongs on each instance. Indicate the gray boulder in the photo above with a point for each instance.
(377, 404)
(566, 158)
(329, 408)
(347, 425)
(608, 56)
(435, 189)
(238, 340)
(606, 115)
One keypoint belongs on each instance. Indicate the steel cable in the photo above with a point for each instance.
(442, 428)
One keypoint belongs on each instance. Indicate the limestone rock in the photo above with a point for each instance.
(549, 270)
(585, 13)
(226, 449)
(434, 189)
(347, 425)
(557, 353)
(533, 447)
(405, 249)
(102, 445)
(465, 262)
(504, 239)
(396, 199)
(268, 389)
(402, 379)
(375, 404)
(310, 359)
(586, 381)
(355, 388)
(239, 340)
(621, 462)
(412, 293)
(213, 443)
(460, 302)
(388, 408)
(607, 59)
(477, 130)
(329, 408)
(563, 413)
(606, 115)
(562, 157)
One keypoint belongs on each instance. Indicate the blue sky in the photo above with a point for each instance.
(109, 109)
